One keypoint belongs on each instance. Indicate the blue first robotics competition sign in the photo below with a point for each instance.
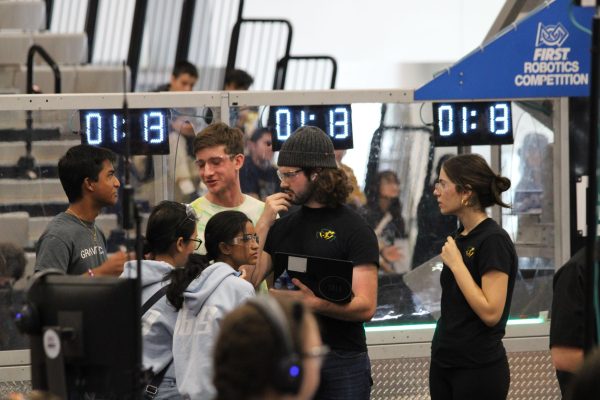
(546, 54)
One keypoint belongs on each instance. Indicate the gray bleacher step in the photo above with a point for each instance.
(64, 48)
(40, 191)
(45, 152)
(74, 78)
(26, 15)
(15, 228)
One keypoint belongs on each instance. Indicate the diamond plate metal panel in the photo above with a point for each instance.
(531, 373)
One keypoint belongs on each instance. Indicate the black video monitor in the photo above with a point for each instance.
(101, 349)
(334, 120)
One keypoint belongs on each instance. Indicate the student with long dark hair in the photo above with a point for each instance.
(383, 213)
(468, 360)
(170, 238)
(204, 292)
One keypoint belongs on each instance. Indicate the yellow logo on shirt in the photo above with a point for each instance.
(470, 251)
(326, 234)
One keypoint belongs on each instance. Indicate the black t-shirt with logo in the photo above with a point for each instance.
(461, 339)
(338, 233)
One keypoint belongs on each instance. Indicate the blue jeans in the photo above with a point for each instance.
(167, 390)
(346, 375)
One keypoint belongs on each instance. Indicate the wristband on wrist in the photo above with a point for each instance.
(91, 272)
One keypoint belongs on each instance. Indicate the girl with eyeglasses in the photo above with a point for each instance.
(170, 239)
(204, 292)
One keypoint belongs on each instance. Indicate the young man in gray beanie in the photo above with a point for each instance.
(326, 227)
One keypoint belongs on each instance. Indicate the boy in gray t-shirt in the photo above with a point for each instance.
(72, 242)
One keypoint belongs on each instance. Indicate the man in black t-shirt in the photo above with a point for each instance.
(567, 319)
(325, 227)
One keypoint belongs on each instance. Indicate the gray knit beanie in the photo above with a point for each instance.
(307, 147)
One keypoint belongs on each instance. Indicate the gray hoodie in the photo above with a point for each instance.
(217, 291)
(159, 321)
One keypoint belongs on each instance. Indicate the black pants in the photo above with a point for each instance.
(489, 382)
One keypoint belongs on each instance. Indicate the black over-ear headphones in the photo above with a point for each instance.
(27, 319)
(288, 372)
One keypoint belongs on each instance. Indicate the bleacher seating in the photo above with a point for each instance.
(27, 205)
(23, 15)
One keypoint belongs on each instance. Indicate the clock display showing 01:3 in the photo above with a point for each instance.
(106, 128)
(472, 123)
(334, 120)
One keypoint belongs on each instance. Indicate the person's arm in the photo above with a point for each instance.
(360, 308)
(113, 266)
(568, 359)
(486, 301)
(273, 205)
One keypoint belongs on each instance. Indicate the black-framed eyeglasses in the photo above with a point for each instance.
(198, 243)
(283, 176)
(319, 352)
(245, 238)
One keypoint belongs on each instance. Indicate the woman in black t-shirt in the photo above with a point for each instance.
(468, 360)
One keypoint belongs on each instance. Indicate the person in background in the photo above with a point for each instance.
(12, 267)
(357, 198)
(72, 242)
(468, 360)
(181, 135)
(567, 318)
(258, 176)
(433, 226)
(204, 292)
(237, 79)
(170, 238)
(244, 118)
(383, 213)
(183, 78)
(261, 338)
(325, 226)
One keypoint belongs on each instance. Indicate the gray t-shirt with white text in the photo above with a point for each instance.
(71, 245)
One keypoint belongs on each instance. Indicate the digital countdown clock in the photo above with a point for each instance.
(334, 120)
(105, 128)
(472, 123)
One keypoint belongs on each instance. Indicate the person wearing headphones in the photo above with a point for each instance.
(203, 292)
(170, 238)
(268, 349)
(72, 242)
(325, 226)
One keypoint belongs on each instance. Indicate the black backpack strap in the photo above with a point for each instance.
(152, 300)
(152, 388)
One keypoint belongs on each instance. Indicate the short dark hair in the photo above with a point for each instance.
(259, 133)
(217, 134)
(240, 78)
(472, 172)
(168, 222)
(184, 67)
(80, 162)
(13, 261)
